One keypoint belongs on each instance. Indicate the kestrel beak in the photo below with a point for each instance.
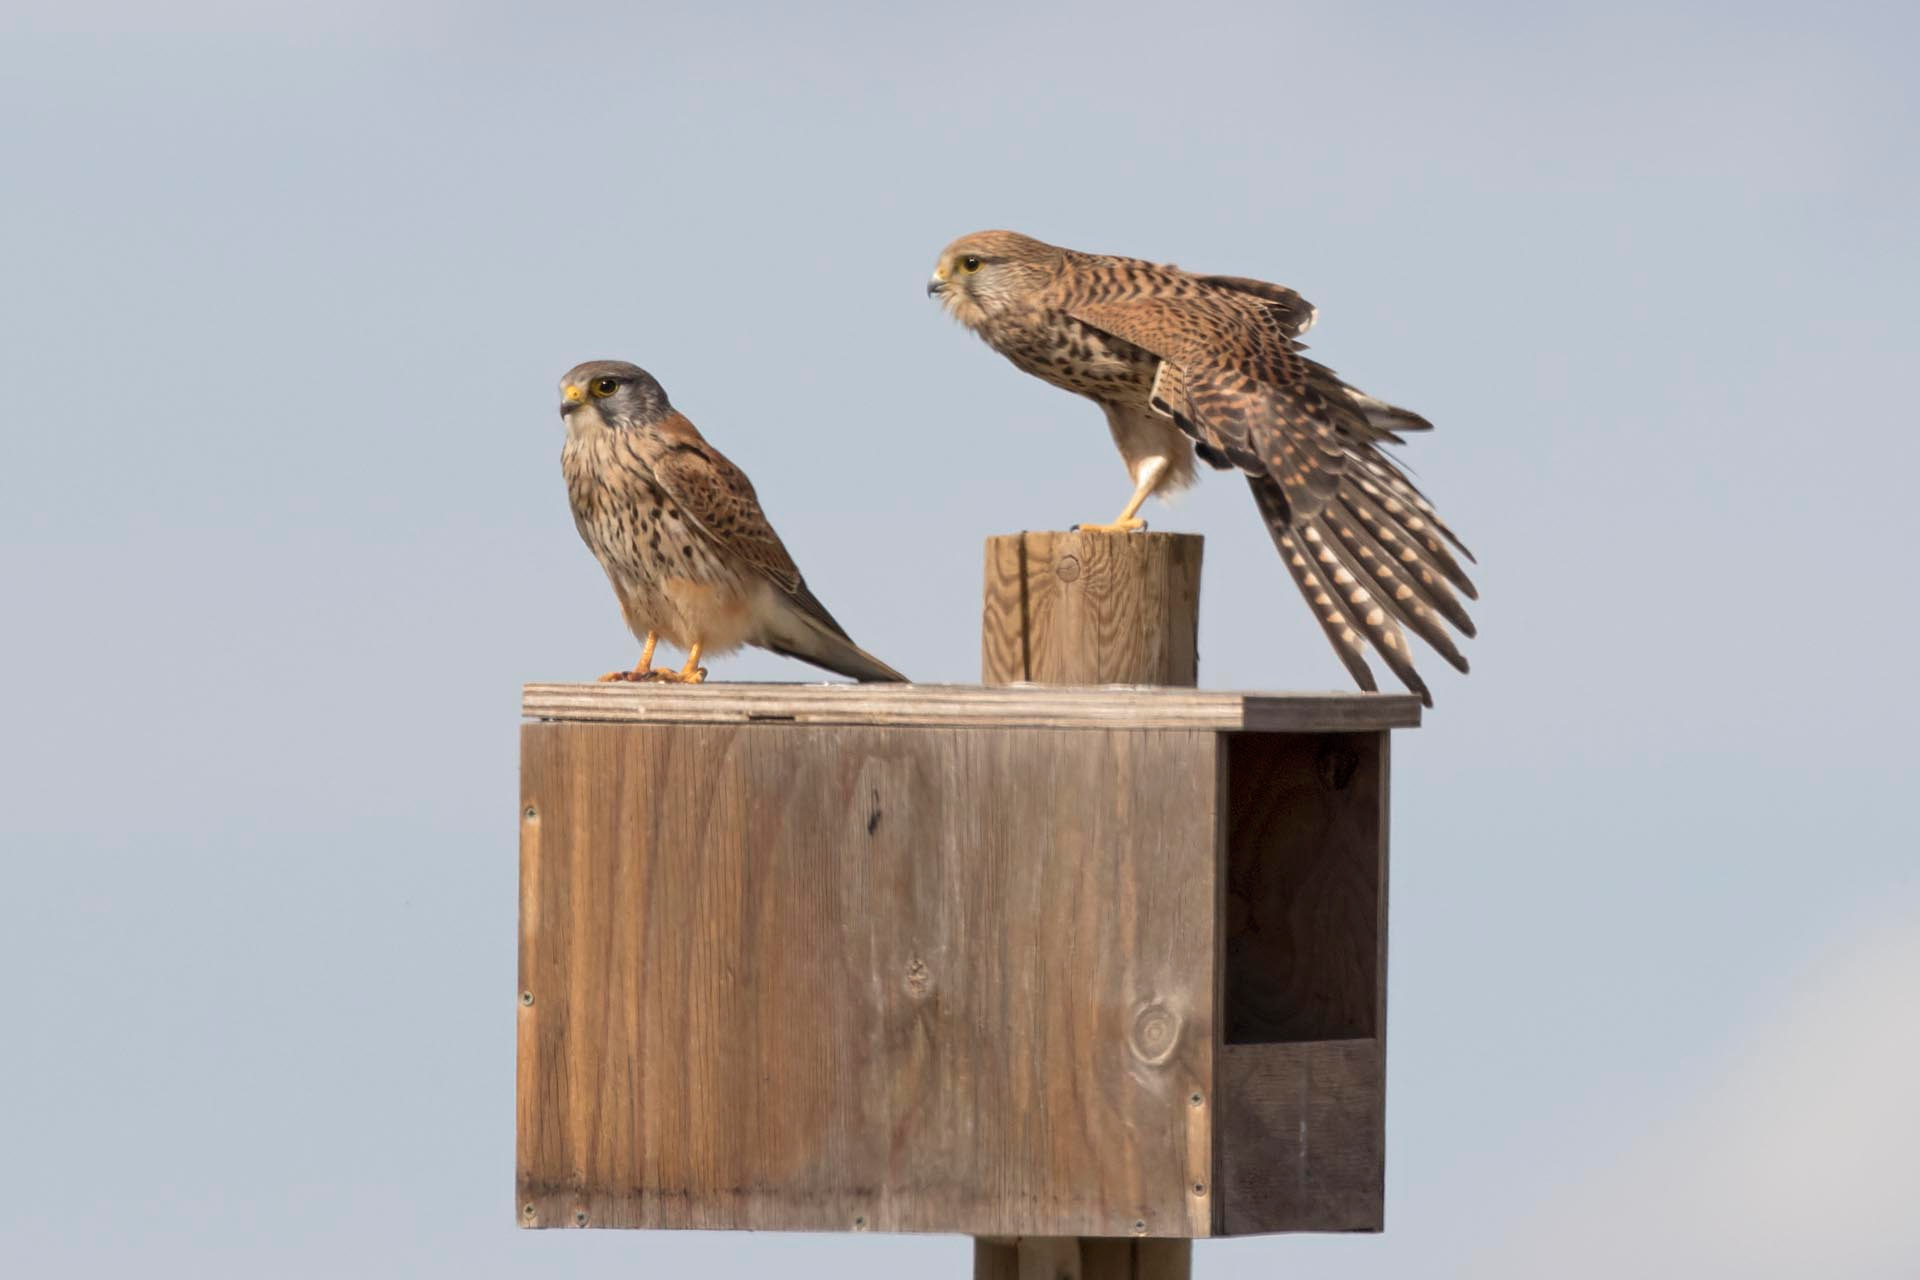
(571, 397)
(937, 285)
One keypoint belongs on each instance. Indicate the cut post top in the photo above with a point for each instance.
(1081, 607)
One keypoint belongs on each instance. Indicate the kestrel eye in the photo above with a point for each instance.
(969, 263)
(604, 387)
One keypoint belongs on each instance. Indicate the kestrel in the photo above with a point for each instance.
(1210, 366)
(681, 534)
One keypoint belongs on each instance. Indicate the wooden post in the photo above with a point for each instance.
(1089, 608)
(1092, 608)
(1067, 1258)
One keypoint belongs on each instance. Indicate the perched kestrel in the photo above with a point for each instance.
(681, 535)
(1188, 365)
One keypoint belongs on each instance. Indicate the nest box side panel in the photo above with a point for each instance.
(791, 977)
(1303, 1056)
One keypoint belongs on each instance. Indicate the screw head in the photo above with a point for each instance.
(527, 1210)
(579, 1217)
(526, 997)
(529, 814)
(1196, 1099)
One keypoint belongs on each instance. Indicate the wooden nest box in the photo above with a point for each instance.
(1011, 960)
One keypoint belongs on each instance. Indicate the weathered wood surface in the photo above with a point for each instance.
(1098, 707)
(1302, 1136)
(1301, 1067)
(1070, 1258)
(1092, 608)
(836, 978)
(1103, 609)
(1066, 968)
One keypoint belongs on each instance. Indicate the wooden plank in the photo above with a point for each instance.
(1301, 1067)
(1091, 608)
(795, 977)
(1302, 1130)
(1305, 886)
(1096, 707)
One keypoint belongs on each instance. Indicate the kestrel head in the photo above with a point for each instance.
(612, 393)
(988, 273)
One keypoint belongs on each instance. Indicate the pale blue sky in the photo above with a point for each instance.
(283, 298)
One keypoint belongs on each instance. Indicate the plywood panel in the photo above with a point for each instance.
(842, 978)
(954, 706)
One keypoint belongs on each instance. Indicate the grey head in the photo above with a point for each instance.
(619, 394)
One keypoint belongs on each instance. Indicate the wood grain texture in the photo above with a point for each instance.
(1108, 609)
(1303, 1136)
(1301, 1067)
(1067, 1258)
(801, 977)
(1092, 608)
(936, 706)
(1306, 874)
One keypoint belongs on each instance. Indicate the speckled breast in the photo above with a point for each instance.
(636, 532)
(1069, 354)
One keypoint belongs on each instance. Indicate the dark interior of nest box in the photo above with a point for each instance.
(1305, 897)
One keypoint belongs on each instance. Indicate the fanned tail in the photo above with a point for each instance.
(1416, 602)
(1342, 618)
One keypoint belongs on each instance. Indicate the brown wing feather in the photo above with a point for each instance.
(1364, 546)
(719, 500)
(1255, 399)
(720, 503)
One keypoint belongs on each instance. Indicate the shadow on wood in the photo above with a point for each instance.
(1067, 1258)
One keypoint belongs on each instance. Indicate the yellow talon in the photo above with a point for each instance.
(643, 670)
(645, 673)
(1152, 472)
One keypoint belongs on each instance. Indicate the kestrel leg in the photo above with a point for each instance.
(1152, 472)
(643, 670)
(692, 673)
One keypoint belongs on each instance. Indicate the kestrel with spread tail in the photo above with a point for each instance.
(682, 537)
(1200, 366)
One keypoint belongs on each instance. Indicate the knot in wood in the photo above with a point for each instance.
(919, 979)
(1068, 568)
(1156, 1033)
